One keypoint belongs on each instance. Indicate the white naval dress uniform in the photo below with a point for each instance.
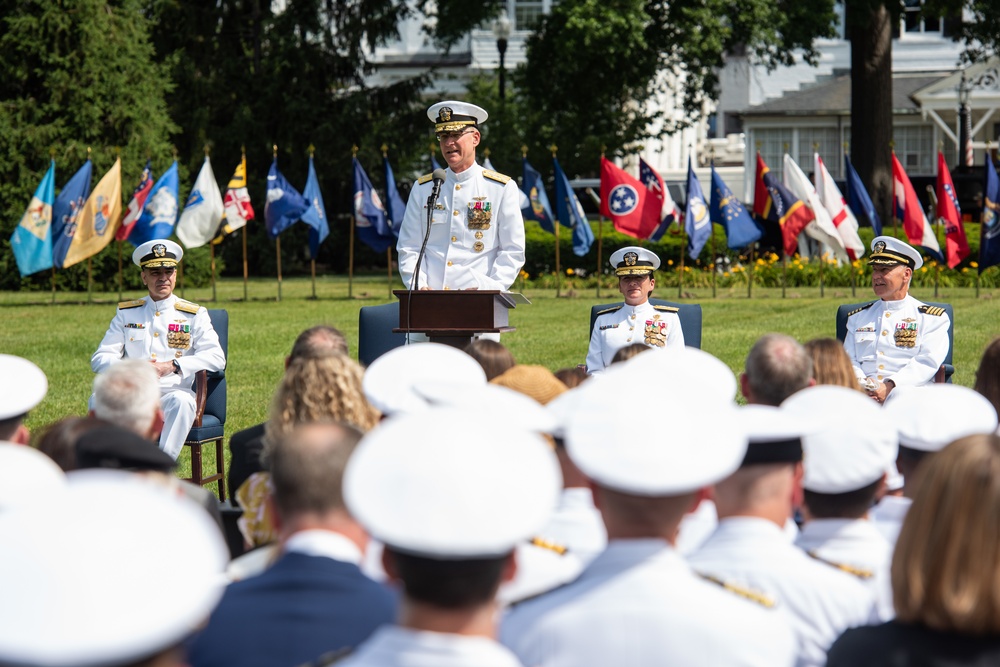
(164, 331)
(857, 547)
(394, 646)
(904, 341)
(639, 604)
(656, 326)
(463, 250)
(577, 525)
(820, 601)
(888, 516)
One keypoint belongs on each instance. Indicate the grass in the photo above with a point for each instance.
(552, 332)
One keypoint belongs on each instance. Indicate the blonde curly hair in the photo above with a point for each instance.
(323, 387)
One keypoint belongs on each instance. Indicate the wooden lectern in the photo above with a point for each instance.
(453, 317)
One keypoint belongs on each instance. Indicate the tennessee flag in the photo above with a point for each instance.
(774, 202)
(949, 213)
(911, 212)
(624, 200)
(99, 218)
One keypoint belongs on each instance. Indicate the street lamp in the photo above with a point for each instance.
(965, 123)
(501, 30)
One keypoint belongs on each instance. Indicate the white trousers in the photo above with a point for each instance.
(178, 417)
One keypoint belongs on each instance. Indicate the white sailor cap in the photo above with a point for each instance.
(114, 572)
(773, 435)
(934, 415)
(389, 381)
(27, 475)
(452, 115)
(563, 407)
(703, 442)
(889, 251)
(441, 484)
(690, 369)
(633, 260)
(24, 386)
(488, 402)
(156, 253)
(850, 445)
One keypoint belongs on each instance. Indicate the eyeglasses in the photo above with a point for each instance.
(452, 136)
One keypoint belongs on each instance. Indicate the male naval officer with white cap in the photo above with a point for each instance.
(450, 501)
(927, 419)
(476, 229)
(896, 341)
(749, 547)
(638, 603)
(845, 463)
(175, 335)
(636, 320)
(24, 387)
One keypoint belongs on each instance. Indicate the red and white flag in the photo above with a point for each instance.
(950, 215)
(911, 212)
(834, 202)
(821, 228)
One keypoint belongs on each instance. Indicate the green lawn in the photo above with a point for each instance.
(551, 331)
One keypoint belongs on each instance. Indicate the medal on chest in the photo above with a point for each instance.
(479, 213)
(179, 335)
(905, 334)
(655, 332)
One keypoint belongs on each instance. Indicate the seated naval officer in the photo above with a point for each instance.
(637, 320)
(174, 335)
(897, 341)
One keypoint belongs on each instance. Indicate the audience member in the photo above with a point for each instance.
(18, 397)
(572, 377)
(777, 367)
(830, 363)
(988, 374)
(639, 598)
(944, 571)
(537, 382)
(58, 442)
(246, 446)
(314, 600)
(27, 478)
(450, 500)
(749, 547)
(493, 356)
(629, 351)
(127, 394)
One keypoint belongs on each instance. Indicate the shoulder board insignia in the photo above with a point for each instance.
(745, 593)
(124, 305)
(859, 572)
(858, 310)
(543, 543)
(425, 179)
(187, 307)
(936, 311)
(609, 310)
(666, 309)
(494, 176)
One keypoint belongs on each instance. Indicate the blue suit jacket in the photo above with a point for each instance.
(300, 608)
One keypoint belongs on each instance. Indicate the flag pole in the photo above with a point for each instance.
(312, 260)
(350, 245)
(938, 222)
(180, 277)
(277, 240)
(243, 150)
(53, 283)
(119, 270)
(90, 278)
(853, 277)
(713, 257)
(388, 251)
(981, 216)
(211, 254)
(600, 234)
(784, 271)
(555, 226)
(822, 259)
(680, 280)
(895, 230)
(753, 247)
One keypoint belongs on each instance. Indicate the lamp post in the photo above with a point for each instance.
(965, 124)
(501, 30)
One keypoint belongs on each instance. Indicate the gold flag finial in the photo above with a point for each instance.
(274, 149)
(524, 150)
(354, 150)
(385, 149)
(554, 149)
(312, 151)
(208, 149)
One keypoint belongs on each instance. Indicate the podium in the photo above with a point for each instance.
(453, 317)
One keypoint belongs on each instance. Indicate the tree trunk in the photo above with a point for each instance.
(870, 32)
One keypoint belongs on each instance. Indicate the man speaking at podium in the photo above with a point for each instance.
(476, 236)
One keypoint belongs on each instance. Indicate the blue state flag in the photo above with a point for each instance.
(67, 210)
(315, 215)
(729, 212)
(697, 224)
(32, 239)
(395, 207)
(571, 213)
(538, 202)
(285, 206)
(858, 199)
(369, 214)
(989, 242)
(159, 215)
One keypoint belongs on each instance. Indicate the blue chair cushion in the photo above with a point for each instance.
(211, 429)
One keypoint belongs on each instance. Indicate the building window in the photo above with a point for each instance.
(774, 143)
(914, 146)
(527, 13)
(912, 22)
(822, 140)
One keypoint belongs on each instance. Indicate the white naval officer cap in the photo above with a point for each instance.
(691, 369)
(633, 260)
(24, 386)
(156, 253)
(390, 380)
(117, 570)
(442, 485)
(889, 251)
(488, 402)
(931, 416)
(849, 446)
(698, 438)
(27, 475)
(452, 115)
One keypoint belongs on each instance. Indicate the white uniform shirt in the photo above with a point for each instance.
(820, 601)
(576, 524)
(462, 251)
(857, 546)
(893, 340)
(162, 331)
(888, 516)
(656, 326)
(639, 604)
(394, 646)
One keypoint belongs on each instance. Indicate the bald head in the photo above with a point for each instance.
(777, 367)
(318, 340)
(307, 468)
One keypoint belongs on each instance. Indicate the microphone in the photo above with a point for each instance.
(439, 176)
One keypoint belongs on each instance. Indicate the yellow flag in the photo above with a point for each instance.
(99, 218)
